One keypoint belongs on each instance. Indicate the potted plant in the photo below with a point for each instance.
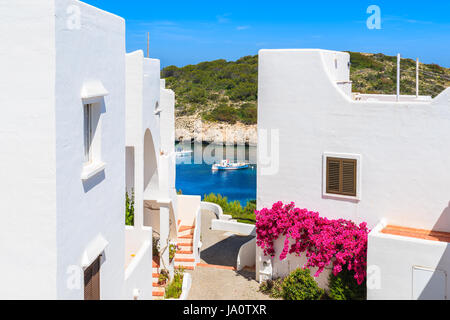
(163, 277)
(173, 248)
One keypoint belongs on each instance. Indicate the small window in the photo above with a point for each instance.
(88, 133)
(92, 281)
(341, 176)
(92, 157)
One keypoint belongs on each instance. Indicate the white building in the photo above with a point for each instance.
(391, 158)
(82, 123)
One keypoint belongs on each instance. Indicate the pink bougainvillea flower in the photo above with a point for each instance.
(326, 242)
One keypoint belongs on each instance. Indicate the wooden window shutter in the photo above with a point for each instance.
(333, 175)
(341, 176)
(92, 281)
(349, 177)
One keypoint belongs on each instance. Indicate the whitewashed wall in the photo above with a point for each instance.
(63, 217)
(59, 214)
(94, 52)
(138, 280)
(187, 209)
(143, 136)
(167, 127)
(391, 260)
(28, 160)
(404, 162)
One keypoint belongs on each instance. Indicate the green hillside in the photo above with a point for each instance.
(226, 91)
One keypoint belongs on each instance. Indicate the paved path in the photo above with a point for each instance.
(222, 283)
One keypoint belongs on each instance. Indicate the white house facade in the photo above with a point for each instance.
(389, 158)
(83, 123)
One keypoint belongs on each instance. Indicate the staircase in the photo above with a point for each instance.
(184, 257)
(158, 290)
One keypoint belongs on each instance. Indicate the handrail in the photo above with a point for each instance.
(197, 233)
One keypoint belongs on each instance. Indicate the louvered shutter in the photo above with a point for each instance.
(92, 281)
(349, 177)
(341, 176)
(96, 280)
(333, 175)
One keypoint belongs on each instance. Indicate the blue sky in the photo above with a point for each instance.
(188, 32)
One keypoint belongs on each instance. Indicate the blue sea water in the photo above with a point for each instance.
(199, 179)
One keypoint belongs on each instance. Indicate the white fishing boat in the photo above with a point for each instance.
(226, 165)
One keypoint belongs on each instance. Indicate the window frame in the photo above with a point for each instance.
(92, 163)
(88, 133)
(342, 156)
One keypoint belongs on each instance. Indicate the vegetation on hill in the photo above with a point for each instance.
(234, 208)
(222, 91)
(226, 91)
(377, 73)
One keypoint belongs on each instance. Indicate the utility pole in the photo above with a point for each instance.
(417, 77)
(398, 77)
(148, 44)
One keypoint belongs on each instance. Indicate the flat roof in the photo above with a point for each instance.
(417, 233)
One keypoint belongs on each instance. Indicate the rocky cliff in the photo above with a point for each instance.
(191, 128)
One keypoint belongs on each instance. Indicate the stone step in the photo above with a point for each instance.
(157, 285)
(159, 289)
(158, 294)
(185, 267)
(186, 263)
(184, 260)
(188, 236)
(185, 252)
(186, 244)
(185, 240)
(186, 228)
(185, 233)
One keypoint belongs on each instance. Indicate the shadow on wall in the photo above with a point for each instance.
(225, 252)
(150, 164)
(443, 223)
(91, 183)
(438, 283)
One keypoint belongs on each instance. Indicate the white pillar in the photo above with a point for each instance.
(148, 44)
(417, 77)
(398, 77)
(164, 227)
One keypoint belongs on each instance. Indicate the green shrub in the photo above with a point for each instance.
(273, 288)
(222, 113)
(234, 208)
(196, 95)
(172, 251)
(129, 209)
(248, 113)
(175, 288)
(300, 285)
(243, 92)
(361, 61)
(344, 287)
